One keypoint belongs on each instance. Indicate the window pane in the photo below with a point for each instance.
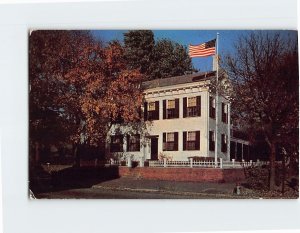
(170, 137)
(170, 104)
(191, 136)
(151, 106)
(192, 102)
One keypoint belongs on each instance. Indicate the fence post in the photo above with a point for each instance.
(221, 163)
(165, 162)
(233, 161)
(191, 162)
(128, 162)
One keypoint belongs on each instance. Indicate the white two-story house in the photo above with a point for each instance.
(179, 121)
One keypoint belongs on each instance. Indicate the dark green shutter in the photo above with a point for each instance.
(184, 140)
(197, 140)
(176, 108)
(198, 102)
(184, 106)
(176, 141)
(139, 141)
(210, 107)
(164, 141)
(156, 110)
(223, 116)
(164, 109)
(145, 111)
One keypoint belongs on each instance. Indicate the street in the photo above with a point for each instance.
(97, 193)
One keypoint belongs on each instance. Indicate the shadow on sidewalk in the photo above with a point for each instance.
(71, 178)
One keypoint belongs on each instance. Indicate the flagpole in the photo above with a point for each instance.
(217, 101)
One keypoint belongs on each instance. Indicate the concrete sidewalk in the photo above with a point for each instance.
(217, 190)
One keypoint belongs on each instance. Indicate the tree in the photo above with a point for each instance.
(161, 59)
(171, 59)
(84, 85)
(264, 73)
(139, 46)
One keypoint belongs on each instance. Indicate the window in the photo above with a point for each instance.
(224, 143)
(212, 107)
(211, 140)
(151, 106)
(192, 106)
(224, 113)
(192, 102)
(116, 143)
(133, 142)
(151, 110)
(171, 109)
(170, 137)
(170, 141)
(191, 140)
(171, 104)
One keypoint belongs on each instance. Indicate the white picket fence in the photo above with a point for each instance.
(184, 163)
(191, 163)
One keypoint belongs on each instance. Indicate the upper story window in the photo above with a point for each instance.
(212, 107)
(151, 106)
(116, 143)
(191, 140)
(133, 142)
(224, 113)
(151, 110)
(170, 141)
(192, 106)
(171, 109)
(171, 104)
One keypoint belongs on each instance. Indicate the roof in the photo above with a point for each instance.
(189, 78)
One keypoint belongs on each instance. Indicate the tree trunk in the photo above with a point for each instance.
(37, 153)
(272, 166)
(76, 155)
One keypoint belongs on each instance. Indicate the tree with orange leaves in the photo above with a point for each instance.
(78, 88)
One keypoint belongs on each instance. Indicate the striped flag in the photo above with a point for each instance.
(203, 50)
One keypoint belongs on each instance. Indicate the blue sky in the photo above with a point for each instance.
(227, 39)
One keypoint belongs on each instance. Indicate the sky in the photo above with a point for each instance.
(227, 39)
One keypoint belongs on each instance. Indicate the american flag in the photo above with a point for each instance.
(203, 50)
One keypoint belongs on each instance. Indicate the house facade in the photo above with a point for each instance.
(179, 121)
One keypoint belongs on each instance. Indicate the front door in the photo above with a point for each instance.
(154, 148)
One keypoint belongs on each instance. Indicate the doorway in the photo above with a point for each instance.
(154, 148)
